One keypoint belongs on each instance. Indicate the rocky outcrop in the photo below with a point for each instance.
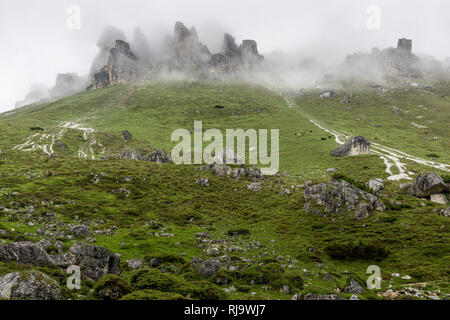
(158, 156)
(105, 43)
(122, 67)
(428, 185)
(340, 197)
(234, 59)
(222, 170)
(315, 296)
(94, 261)
(25, 253)
(131, 154)
(355, 146)
(191, 55)
(29, 285)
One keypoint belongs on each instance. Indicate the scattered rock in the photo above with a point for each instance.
(256, 186)
(445, 212)
(209, 268)
(131, 154)
(355, 146)
(213, 252)
(126, 135)
(203, 182)
(315, 296)
(80, 231)
(339, 197)
(135, 264)
(29, 285)
(159, 156)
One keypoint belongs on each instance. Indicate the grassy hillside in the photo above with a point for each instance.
(166, 207)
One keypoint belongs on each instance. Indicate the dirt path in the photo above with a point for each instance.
(391, 157)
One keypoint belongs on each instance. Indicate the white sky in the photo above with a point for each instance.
(36, 43)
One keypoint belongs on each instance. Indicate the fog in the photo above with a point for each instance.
(37, 44)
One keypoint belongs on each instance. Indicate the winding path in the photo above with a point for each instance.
(391, 157)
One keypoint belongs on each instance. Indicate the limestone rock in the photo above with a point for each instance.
(355, 146)
(29, 285)
(338, 197)
(256, 186)
(159, 156)
(375, 184)
(122, 67)
(353, 286)
(131, 154)
(429, 183)
(439, 198)
(315, 296)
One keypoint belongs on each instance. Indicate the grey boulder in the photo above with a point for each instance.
(29, 285)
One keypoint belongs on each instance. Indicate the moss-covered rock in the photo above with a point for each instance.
(111, 287)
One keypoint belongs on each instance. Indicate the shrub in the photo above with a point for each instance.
(111, 287)
(203, 290)
(153, 279)
(262, 274)
(149, 294)
(293, 280)
(357, 250)
(222, 277)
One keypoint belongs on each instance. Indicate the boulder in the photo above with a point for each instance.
(29, 285)
(208, 268)
(25, 253)
(355, 146)
(256, 186)
(439, 198)
(337, 197)
(80, 231)
(203, 182)
(375, 185)
(353, 286)
(131, 154)
(93, 261)
(159, 156)
(429, 183)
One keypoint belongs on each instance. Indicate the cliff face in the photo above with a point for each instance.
(122, 67)
(183, 52)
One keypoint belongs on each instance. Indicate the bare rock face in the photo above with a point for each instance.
(339, 197)
(105, 43)
(94, 261)
(122, 67)
(234, 59)
(29, 285)
(191, 54)
(355, 146)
